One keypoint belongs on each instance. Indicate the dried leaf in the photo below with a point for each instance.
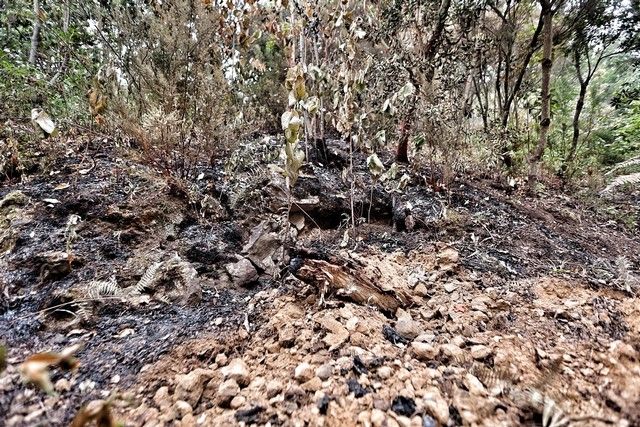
(375, 165)
(61, 186)
(42, 120)
(35, 368)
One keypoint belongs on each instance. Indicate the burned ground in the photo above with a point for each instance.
(221, 313)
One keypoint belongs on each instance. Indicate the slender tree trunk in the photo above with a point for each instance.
(35, 36)
(576, 123)
(430, 51)
(545, 94)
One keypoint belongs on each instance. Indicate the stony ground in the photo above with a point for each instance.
(200, 305)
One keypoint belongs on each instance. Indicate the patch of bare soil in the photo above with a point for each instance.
(200, 305)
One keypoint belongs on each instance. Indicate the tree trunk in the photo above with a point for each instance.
(576, 124)
(430, 51)
(35, 36)
(545, 94)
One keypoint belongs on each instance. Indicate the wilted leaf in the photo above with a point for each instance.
(36, 368)
(312, 104)
(375, 165)
(98, 411)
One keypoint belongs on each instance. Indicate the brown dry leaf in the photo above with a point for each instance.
(98, 411)
(36, 368)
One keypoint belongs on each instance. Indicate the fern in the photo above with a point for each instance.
(176, 276)
(633, 178)
(103, 288)
(631, 162)
(148, 279)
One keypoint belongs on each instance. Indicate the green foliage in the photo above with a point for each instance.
(64, 66)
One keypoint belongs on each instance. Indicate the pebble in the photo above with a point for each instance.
(303, 372)
(189, 387)
(221, 359)
(474, 385)
(436, 406)
(227, 391)
(424, 351)
(408, 328)
(479, 352)
(451, 350)
(161, 398)
(237, 402)
(274, 387)
(62, 384)
(237, 370)
(421, 290)
(324, 372)
(384, 372)
(377, 418)
(182, 408)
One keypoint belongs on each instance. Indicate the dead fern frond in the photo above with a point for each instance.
(148, 279)
(103, 288)
(168, 280)
(497, 380)
(632, 178)
(631, 162)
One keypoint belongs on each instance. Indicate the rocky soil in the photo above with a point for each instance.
(200, 304)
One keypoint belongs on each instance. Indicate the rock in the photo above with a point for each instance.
(428, 421)
(242, 272)
(448, 259)
(286, 336)
(620, 349)
(403, 405)
(450, 287)
(426, 337)
(424, 351)
(161, 398)
(189, 387)
(403, 421)
(237, 402)
(237, 370)
(188, 421)
(479, 352)
(421, 290)
(384, 372)
(182, 408)
(408, 328)
(62, 385)
(452, 351)
(377, 418)
(274, 387)
(15, 198)
(226, 392)
(221, 359)
(314, 384)
(474, 385)
(324, 372)
(303, 372)
(436, 406)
